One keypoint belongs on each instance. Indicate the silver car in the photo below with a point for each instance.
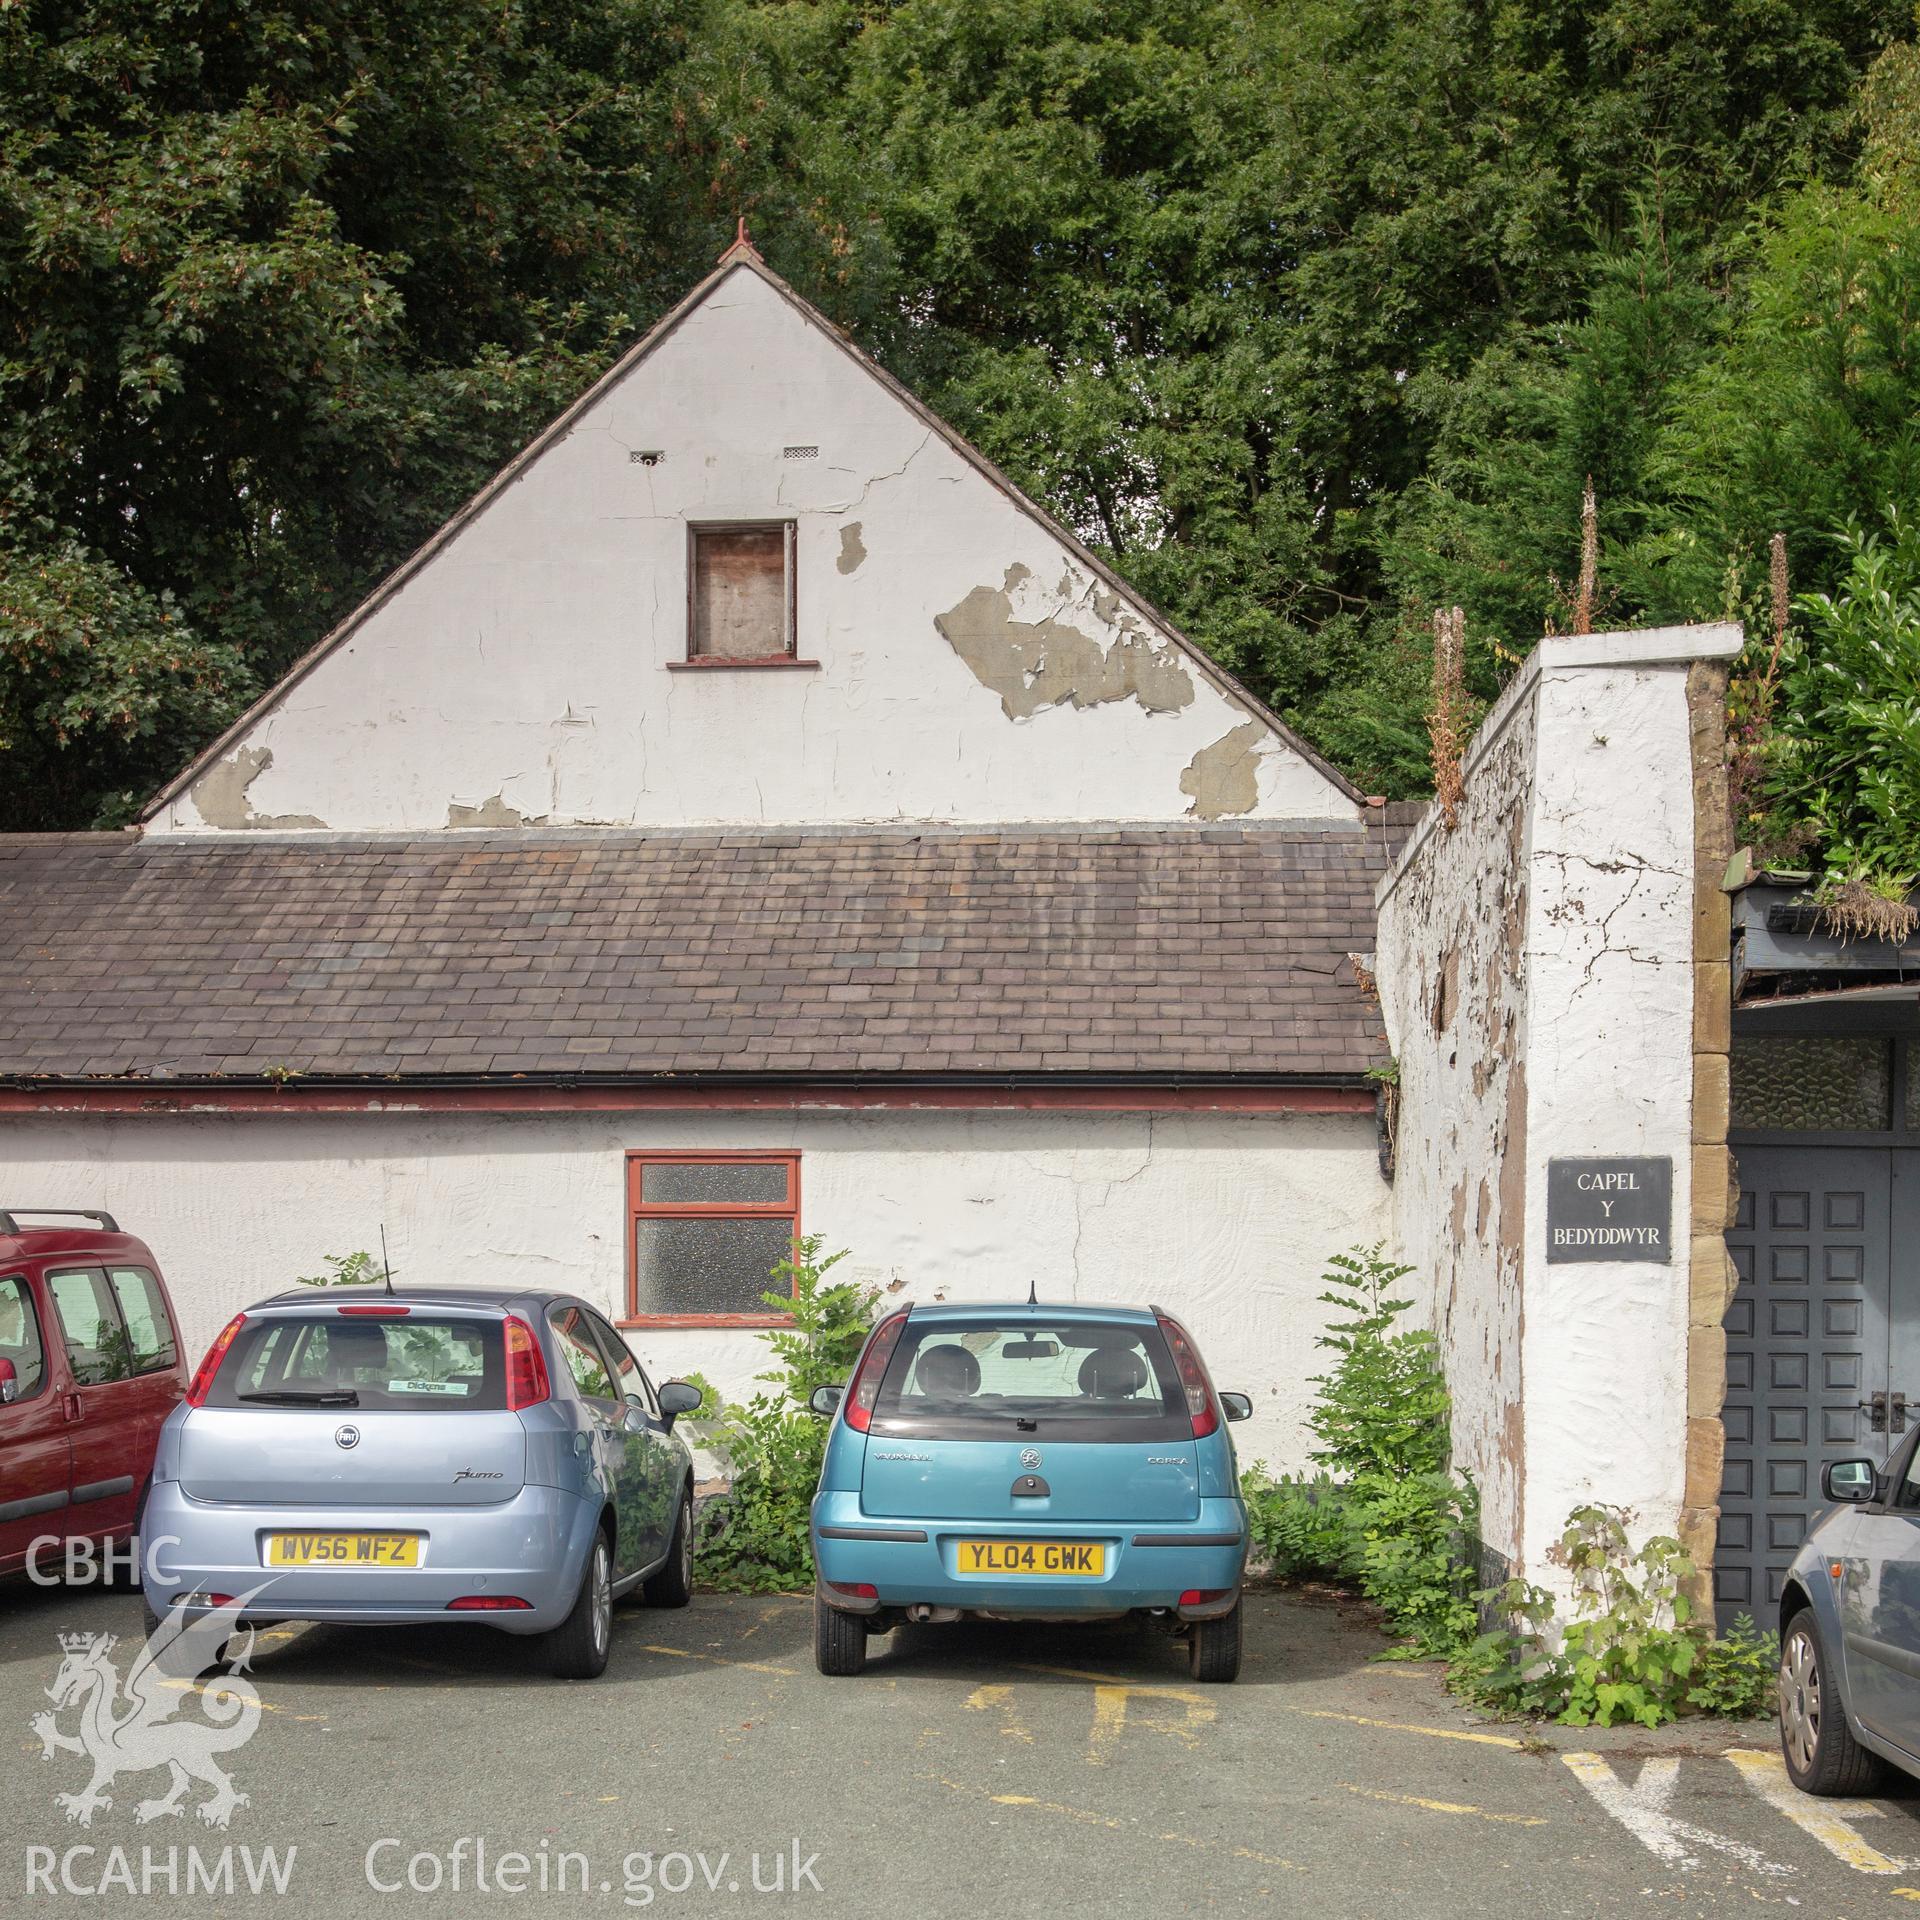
(1850, 1631)
(392, 1458)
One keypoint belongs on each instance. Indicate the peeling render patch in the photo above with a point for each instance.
(1044, 663)
(852, 549)
(221, 794)
(1224, 778)
(491, 812)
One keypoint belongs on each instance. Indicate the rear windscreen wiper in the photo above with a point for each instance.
(292, 1397)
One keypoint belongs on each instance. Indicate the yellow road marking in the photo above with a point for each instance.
(1825, 1820)
(1081, 1814)
(1109, 1723)
(766, 1613)
(714, 1659)
(1407, 1726)
(1086, 1817)
(200, 1686)
(1112, 1696)
(1445, 1806)
(1115, 1680)
(993, 1699)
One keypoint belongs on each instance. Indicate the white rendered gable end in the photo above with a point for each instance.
(957, 656)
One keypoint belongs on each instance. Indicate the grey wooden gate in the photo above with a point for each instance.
(1806, 1347)
(1823, 1335)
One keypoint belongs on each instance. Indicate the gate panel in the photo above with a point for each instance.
(1807, 1343)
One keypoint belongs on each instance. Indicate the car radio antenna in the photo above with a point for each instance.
(384, 1266)
(1033, 1298)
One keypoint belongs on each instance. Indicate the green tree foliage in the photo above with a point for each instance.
(279, 285)
(1280, 306)
(1845, 753)
(1721, 382)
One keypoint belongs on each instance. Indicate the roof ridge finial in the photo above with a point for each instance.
(742, 247)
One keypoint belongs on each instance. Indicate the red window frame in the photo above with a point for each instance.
(639, 1209)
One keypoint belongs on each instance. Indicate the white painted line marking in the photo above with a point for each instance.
(1642, 1810)
(1825, 1820)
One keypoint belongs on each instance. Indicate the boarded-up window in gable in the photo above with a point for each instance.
(741, 592)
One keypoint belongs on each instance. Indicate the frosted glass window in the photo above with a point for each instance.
(1813, 1083)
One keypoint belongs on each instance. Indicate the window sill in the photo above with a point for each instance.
(756, 663)
(645, 1320)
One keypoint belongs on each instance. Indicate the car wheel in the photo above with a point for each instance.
(149, 1620)
(672, 1586)
(839, 1639)
(1818, 1746)
(577, 1648)
(1213, 1648)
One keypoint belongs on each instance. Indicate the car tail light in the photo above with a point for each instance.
(1203, 1596)
(202, 1381)
(1193, 1379)
(380, 1313)
(864, 1389)
(203, 1599)
(855, 1589)
(526, 1366)
(489, 1603)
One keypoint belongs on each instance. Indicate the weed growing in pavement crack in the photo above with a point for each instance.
(1632, 1650)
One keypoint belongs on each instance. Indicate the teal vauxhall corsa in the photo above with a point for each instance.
(1029, 1462)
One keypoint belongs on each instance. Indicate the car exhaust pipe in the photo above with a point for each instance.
(921, 1614)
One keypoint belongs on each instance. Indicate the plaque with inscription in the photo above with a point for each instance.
(1610, 1210)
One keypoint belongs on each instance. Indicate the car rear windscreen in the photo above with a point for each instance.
(1079, 1380)
(424, 1363)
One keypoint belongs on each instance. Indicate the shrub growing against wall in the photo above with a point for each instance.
(756, 1539)
(1386, 1512)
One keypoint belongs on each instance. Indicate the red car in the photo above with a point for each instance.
(90, 1366)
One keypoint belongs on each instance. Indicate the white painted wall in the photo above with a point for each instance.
(527, 664)
(1452, 965)
(1224, 1220)
(1573, 1035)
(1610, 1071)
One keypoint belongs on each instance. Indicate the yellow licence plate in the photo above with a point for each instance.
(1080, 1559)
(343, 1550)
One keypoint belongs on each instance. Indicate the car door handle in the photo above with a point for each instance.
(74, 1409)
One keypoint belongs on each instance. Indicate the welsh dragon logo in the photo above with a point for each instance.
(139, 1730)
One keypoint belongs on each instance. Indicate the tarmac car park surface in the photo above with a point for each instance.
(972, 1770)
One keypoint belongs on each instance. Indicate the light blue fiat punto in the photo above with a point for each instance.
(392, 1458)
(1029, 1462)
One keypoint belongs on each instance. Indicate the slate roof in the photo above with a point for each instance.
(1117, 951)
